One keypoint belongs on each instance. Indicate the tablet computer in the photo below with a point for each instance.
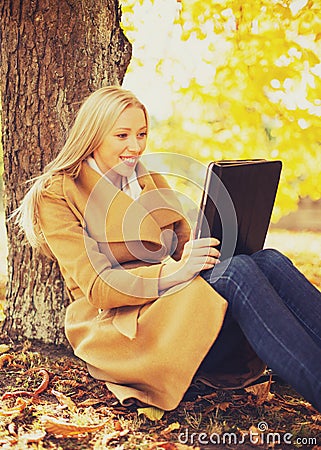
(237, 204)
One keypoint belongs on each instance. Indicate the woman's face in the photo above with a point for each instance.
(123, 145)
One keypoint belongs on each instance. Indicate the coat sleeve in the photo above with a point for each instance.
(182, 229)
(182, 232)
(79, 257)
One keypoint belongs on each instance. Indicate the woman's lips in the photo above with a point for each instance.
(129, 160)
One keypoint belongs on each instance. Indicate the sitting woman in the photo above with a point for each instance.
(151, 308)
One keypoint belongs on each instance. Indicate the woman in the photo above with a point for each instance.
(145, 322)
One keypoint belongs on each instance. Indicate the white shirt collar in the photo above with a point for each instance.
(130, 185)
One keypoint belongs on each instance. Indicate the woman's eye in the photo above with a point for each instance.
(122, 135)
(142, 135)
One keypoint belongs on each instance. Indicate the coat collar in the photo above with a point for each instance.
(111, 215)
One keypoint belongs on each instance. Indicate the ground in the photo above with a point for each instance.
(48, 400)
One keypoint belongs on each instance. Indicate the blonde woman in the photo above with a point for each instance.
(144, 322)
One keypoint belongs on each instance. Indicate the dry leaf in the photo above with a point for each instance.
(72, 383)
(67, 429)
(44, 383)
(35, 436)
(12, 429)
(207, 397)
(261, 391)
(224, 405)
(4, 347)
(118, 426)
(64, 400)
(20, 405)
(173, 426)
(113, 436)
(5, 359)
(152, 413)
(90, 402)
(8, 442)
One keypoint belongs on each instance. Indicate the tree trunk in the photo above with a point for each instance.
(53, 54)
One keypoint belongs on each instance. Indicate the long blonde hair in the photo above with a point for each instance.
(94, 120)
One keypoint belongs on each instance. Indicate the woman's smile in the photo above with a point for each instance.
(130, 161)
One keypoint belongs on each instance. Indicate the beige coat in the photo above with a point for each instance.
(110, 250)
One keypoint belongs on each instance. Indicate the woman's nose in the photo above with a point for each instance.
(133, 144)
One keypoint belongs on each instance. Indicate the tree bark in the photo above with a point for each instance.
(53, 54)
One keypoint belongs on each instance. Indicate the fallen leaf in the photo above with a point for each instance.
(171, 427)
(8, 442)
(113, 436)
(118, 426)
(12, 429)
(261, 391)
(44, 383)
(20, 405)
(206, 397)
(64, 400)
(17, 394)
(224, 405)
(90, 402)
(152, 413)
(72, 383)
(67, 429)
(4, 347)
(5, 359)
(36, 436)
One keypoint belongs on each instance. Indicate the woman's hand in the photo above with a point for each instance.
(198, 254)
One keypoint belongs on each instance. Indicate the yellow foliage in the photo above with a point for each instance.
(151, 412)
(261, 94)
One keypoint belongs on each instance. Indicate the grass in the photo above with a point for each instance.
(271, 417)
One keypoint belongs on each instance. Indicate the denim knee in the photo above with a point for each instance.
(270, 255)
(240, 262)
(233, 268)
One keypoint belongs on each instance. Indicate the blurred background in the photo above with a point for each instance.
(234, 79)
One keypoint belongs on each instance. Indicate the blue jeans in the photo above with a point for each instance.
(279, 312)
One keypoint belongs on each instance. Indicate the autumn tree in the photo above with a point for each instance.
(245, 81)
(53, 54)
